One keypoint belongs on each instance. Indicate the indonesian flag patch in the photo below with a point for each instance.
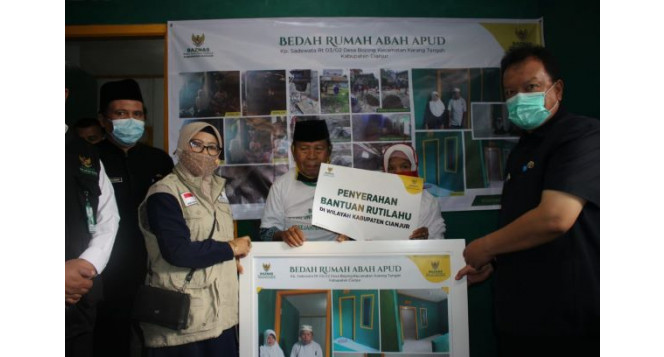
(189, 199)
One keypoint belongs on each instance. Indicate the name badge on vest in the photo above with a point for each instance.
(189, 199)
(223, 198)
(115, 179)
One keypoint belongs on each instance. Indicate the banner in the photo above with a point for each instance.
(366, 205)
(399, 299)
(431, 83)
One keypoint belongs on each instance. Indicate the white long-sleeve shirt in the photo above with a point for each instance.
(108, 219)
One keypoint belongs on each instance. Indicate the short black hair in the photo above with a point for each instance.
(519, 53)
(87, 123)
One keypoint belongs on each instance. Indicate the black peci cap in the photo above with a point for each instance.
(124, 89)
(311, 130)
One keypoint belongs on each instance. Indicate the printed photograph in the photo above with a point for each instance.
(280, 143)
(342, 154)
(210, 94)
(485, 161)
(334, 91)
(369, 156)
(249, 184)
(338, 126)
(248, 140)
(490, 121)
(340, 135)
(441, 161)
(415, 321)
(442, 97)
(303, 91)
(356, 327)
(365, 96)
(294, 321)
(381, 127)
(264, 92)
(394, 90)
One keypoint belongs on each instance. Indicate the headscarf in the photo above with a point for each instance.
(436, 106)
(404, 151)
(270, 351)
(198, 164)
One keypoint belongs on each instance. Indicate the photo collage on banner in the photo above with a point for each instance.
(351, 322)
(428, 87)
(461, 132)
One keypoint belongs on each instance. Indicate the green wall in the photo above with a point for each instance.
(435, 315)
(390, 325)
(571, 31)
(367, 337)
(290, 319)
(266, 301)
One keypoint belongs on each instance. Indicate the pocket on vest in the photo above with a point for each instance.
(203, 311)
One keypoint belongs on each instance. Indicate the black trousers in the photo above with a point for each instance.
(79, 324)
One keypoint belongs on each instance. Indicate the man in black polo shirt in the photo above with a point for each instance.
(132, 167)
(545, 256)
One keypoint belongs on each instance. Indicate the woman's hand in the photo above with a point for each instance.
(241, 246)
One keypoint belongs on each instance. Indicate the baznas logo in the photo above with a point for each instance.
(434, 265)
(521, 34)
(198, 39)
(85, 161)
(329, 169)
(266, 267)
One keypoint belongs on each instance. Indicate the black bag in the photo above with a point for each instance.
(161, 307)
(167, 308)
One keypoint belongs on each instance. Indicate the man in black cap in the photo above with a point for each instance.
(287, 214)
(132, 168)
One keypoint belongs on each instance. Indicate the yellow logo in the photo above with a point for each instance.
(521, 33)
(266, 267)
(198, 39)
(329, 169)
(85, 161)
(434, 268)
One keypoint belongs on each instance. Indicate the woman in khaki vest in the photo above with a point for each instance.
(188, 226)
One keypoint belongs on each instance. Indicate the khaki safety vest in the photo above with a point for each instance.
(213, 290)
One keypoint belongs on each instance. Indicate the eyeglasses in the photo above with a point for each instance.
(197, 146)
(125, 114)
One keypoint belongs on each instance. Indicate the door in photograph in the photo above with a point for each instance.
(430, 161)
(493, 164)
(303, 307)
(408, 322)
(347, 317)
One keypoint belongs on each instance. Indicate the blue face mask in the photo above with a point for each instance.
(127, 131)
(527, 110)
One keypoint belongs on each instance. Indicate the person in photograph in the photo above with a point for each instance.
(457, 110)
(401, 159)
(91, 224)
(434, 111)
(546, 251)
(188, 229)
(132, 167)
(270, 347)
(89, 130)
(287, 213)
(306, 346)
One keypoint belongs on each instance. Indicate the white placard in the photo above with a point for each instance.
(366, 205)
(407, 275)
